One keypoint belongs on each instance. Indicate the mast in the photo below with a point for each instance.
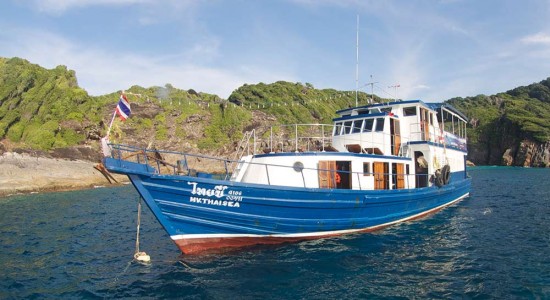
(357, 63)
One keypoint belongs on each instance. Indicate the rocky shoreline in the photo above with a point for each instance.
(21, 173)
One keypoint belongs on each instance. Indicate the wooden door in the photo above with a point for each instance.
(396, 136)
(380, 175)
(400, 176)
(327, 173)
(425, 124)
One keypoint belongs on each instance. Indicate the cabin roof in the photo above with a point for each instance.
(378, 105)
(369, 116)
(433, 106)
(436, 106)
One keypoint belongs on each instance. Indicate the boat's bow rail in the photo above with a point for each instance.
(169, 162)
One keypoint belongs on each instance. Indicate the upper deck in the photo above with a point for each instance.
(384, 128)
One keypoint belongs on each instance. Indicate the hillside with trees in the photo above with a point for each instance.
(45, 111)
(511, 128)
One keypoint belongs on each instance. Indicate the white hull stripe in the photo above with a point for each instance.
(163, 186)
(310, 234)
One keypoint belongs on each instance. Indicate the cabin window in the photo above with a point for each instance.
(366, 169)
(409, 111)
(347, 127)
(368, 125)
(337, 128)
(431, 118)
(357, 126)
(379, 124)
(385, 109)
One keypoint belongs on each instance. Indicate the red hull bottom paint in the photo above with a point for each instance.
(220, 245)
(228, 244)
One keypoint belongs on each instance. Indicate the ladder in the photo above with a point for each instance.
(244, 145)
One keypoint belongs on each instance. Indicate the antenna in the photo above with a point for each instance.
(371, 83)
(357, 63)
(395, 88)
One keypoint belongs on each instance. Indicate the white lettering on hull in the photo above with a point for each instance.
(232, 200)
(214, 202)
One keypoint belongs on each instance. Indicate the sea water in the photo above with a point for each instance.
(494, 244)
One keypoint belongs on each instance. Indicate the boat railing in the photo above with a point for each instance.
(425, 132)
(288, 138)
(384, 181)
(436, 135)
(319, 138)
(172, 162)
(196, 165)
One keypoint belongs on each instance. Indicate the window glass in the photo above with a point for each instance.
(357, 126)
(347, 127)
(409, 111)
(368, 125)
(366, 169)
(380, 124)
(337, 128)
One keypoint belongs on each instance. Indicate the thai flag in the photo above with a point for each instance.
(123, 109)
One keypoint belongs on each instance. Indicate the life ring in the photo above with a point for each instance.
(337, 178)
(446, 174)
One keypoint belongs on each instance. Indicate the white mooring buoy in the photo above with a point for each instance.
(142, 257)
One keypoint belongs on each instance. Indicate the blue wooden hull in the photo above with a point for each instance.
(201, 214)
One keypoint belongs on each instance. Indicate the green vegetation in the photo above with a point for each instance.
(226, 125)
(293, 103)
(45, 109)
(524, 109)
(34, 101)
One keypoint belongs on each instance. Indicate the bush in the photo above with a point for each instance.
(16, 132)
(70, 137)
(77, 116)
(161, 133)
(38, 137)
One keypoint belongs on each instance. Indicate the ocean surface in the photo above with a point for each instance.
(492, 245)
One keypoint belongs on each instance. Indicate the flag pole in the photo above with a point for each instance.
(111, 124)
(112, 120)
(105, 140)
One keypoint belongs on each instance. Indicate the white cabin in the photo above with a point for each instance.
(397, 145)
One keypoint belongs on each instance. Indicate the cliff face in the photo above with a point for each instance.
(533, 154)
(510, 129)
(507, 145)
(524, 153)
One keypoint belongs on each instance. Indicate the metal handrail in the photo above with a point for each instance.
(151, 156)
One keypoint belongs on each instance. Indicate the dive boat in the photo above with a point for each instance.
(376, 165)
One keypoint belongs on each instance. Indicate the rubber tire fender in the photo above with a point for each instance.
(446, 174)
